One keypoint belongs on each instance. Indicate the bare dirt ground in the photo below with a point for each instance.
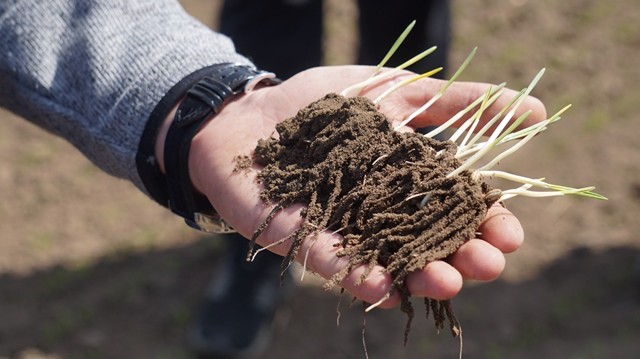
(89, 268)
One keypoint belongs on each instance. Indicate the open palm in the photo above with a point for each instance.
(236, 194)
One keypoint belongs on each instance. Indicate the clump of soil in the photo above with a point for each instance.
(357, 176)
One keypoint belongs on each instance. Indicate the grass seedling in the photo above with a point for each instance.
(469, 149)
(405, 83)
(395, 46)
(502, 128)
(399, 200)
(439, 94)
(355, 89)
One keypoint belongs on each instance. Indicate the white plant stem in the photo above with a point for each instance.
(499, 133)
(524, 135)
(473, 142)
(439, 94)
(509, 195)
(355, 89)
(491, 143)
(528, 134)
(470, 150)
(405, 83)
(395, 46)
(472, 122)
(554, 190)
(512, 149)
(436, 131)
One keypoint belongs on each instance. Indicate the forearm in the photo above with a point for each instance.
(93, 71)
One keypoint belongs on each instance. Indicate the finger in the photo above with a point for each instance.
(375, 287)
(437, 280)
(502, 229)
(478, 260)
(318, 254)
(459, 96)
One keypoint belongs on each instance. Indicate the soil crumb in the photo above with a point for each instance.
(243, 163)
(387, 193)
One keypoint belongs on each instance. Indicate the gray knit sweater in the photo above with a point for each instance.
(92, 71)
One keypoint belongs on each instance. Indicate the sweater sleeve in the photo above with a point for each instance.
(92, 71)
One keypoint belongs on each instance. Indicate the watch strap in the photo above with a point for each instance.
(201, 102)
(153, 179)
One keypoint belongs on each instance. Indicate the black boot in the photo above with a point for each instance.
(240, 305)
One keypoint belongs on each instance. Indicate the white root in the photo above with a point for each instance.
(378, 303)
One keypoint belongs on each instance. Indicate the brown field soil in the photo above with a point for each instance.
(89, 268)
(358, 177)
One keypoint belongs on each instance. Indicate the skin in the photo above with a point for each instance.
(243, 121)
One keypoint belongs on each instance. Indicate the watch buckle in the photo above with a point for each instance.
(209, 223)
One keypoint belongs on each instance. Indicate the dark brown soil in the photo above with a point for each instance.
(387, 193)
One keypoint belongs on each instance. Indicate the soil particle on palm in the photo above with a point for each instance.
(358, 177)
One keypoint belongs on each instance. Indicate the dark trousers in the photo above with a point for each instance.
(285, 36)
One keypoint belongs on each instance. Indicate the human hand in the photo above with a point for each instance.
(236, 195)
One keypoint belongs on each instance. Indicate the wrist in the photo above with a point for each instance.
(177, 132)
(150, 157)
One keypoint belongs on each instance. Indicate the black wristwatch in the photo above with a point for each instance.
(201, 102)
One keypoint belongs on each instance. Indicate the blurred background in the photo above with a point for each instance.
(90, 268)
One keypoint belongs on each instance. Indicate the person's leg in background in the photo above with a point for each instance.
(382, 21)
(380, 25)
(240, 304)
(285, 37)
